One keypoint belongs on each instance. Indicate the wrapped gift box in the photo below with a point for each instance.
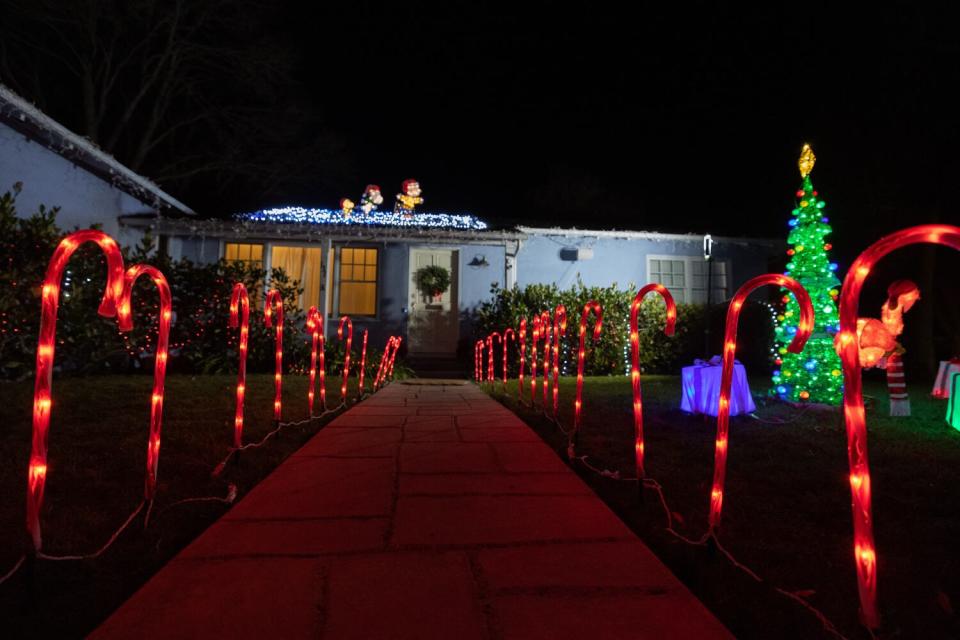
(701, 388)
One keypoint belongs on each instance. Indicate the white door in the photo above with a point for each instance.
(434, 323)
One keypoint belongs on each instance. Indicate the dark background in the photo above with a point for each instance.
(684, 117)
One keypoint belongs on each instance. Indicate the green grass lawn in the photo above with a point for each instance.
(786, 503)
(97, 454)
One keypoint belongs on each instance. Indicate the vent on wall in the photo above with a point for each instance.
(572, 254)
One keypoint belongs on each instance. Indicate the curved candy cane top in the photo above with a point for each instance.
(274, 306)
(853, 411)
(345, 321)
(238, 298)
(592, 307)
(46, 345)
(124, 309)
(314, 321)
(654, 287)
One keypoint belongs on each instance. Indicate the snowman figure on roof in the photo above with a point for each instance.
(409, 199)
(371, 199)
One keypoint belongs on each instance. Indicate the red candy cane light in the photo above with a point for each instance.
(804, 328)
(382, 369)
(638, 444)
(363, 364)
(546, 337)
(315, 326)
(595, 308)
(273, 307)
(491, 375)
(345, 320)
(522, 333)
(533, 360)
(125, 320)
(238, 298)
(42, 398)
(480, 343)
(559, 329)
(864, 550)
(393, 356)
(507, 334)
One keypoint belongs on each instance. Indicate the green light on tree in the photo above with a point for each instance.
(815, 374)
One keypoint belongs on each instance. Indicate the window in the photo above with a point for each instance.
(249, 254)
(358, 282)
(301, 264)
(686, 277)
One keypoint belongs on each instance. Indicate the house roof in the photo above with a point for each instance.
(642, 235)
(26, 119)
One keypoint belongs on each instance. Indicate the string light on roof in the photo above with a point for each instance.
(305, 215)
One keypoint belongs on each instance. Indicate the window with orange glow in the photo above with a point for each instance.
(358, 281)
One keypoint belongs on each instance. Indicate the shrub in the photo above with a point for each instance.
(610, 355)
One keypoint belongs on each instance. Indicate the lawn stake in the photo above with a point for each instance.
(46, 344)
(591, 307)
(125, 320)
(668, 329)
(864, 550)
(804, 328)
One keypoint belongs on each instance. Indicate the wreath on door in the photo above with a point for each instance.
(433, 280)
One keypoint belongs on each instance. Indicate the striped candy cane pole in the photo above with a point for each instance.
(559, 329)
(273, 307)
(46, 345)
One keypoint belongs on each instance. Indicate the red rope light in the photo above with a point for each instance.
(393, 355)
(345, 320)
(591, 307)
(275, 300)
(384, 361)
(480, 344)
(559, 329)
(46, 344)
(507, 333)
(804, 328)
(533, 360)
(546, 338)
(491, 375)
(315, 326)
(363, 364)
(635, 362)
(240, 319)
(125, 320)
(864, 549)
(522, 333)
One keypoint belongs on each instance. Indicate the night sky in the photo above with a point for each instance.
(688, 119)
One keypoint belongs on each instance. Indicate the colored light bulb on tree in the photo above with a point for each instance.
(345, 321)
(638, 444)
(241, 319)
(594, 308)
(274, 307)
(46, 345)
(535, 338)
(522, 334)
(559, 329)
(546, 335)
(864, 549)
(808, 378)
(491, 374)
(315, 326)
(804, 329)
(125, 320)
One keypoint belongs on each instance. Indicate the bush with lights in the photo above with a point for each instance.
(814, 375)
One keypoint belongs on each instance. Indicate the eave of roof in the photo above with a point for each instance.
(29, 121)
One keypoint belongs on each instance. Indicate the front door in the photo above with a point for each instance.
(434, 325)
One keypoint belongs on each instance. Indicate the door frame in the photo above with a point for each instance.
(454, 309)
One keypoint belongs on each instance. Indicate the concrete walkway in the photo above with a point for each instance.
(428, 511)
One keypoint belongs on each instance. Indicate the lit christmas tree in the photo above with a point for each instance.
(813, 375)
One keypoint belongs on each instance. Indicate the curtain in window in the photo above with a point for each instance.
(303, 264)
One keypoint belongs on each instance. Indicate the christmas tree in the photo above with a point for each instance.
(814, 375)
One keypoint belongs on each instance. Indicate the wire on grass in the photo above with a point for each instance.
(99, 552)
